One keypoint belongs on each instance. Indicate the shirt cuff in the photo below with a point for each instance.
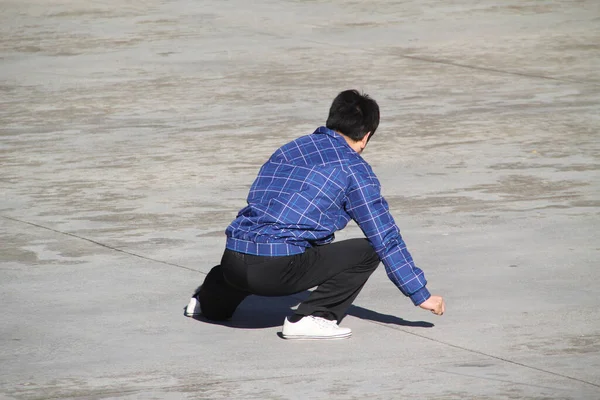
(420, 296)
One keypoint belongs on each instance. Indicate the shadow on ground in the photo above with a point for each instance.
(258, 312)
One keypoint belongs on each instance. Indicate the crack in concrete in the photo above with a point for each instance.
(467, 66)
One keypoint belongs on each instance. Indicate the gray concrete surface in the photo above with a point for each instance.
(131, 131)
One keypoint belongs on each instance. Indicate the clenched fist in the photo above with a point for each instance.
(435, 304)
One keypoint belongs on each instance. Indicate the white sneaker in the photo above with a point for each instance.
(311, 327)
(193, 308)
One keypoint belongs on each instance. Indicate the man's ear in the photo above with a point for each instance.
(364, 140)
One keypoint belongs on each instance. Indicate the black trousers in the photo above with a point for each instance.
(338, 270)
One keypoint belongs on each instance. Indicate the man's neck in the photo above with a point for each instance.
(356, 146)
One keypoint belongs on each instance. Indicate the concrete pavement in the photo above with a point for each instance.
(131, 131)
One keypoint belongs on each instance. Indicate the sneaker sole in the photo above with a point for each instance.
(190, 315)
(305, 337)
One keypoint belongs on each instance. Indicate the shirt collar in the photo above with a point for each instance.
(329, 132)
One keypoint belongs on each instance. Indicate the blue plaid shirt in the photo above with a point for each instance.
(312, 187)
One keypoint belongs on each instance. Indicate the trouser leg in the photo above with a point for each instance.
(354, 260)
(218, 299)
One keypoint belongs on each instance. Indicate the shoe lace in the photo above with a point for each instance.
(324, 322)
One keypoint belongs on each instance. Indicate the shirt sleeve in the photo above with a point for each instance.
(368, 208)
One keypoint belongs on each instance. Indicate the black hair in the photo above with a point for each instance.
(353, 114)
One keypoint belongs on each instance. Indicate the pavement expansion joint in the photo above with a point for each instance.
(368, 321)
(102, 244)
(488, 355)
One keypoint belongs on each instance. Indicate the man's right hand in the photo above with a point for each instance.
(435, 304)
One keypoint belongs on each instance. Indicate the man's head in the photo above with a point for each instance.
(354, 115)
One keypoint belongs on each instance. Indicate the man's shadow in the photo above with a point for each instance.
(258, 312)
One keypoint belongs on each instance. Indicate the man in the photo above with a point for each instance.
(281, 242)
